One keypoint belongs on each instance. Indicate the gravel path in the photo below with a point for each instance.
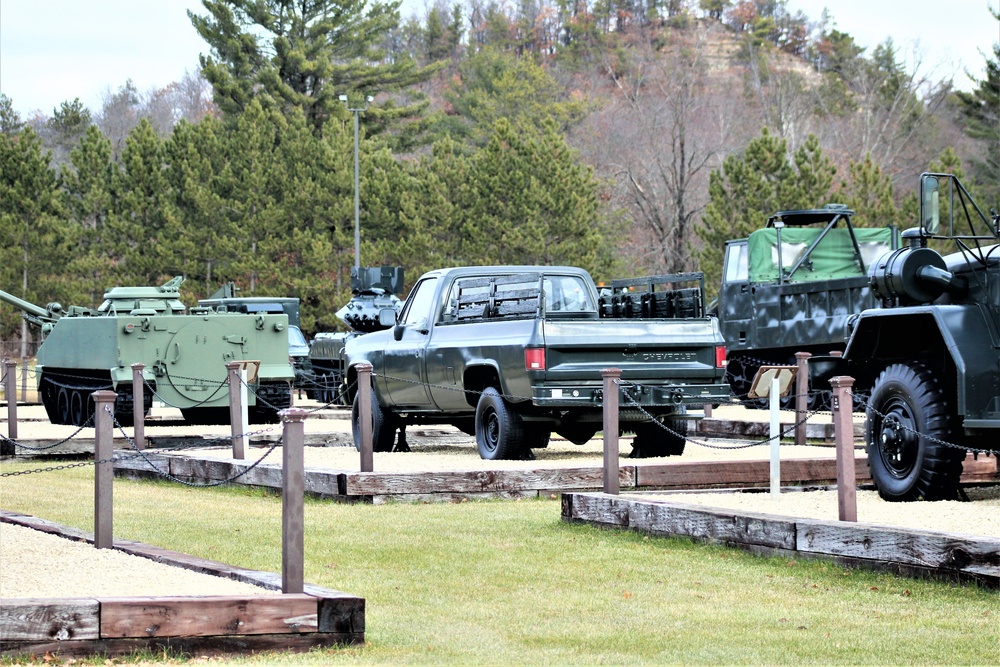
(39, 565)
(28, 558)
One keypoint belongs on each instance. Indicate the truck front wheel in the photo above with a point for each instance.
(907, 416)
(499, 430)
(384, 425)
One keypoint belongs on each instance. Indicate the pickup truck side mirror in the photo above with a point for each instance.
(397, 332)
(386, 317)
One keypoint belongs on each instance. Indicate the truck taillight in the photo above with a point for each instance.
(720, 356)
(534, 358)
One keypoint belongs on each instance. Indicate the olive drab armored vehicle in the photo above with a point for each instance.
(184, 353)
(792, 286)
(373, 289)
(928, 359)
(227, 299)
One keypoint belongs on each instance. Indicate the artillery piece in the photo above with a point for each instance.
(183, 351)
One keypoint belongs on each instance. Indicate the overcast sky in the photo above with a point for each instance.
(57, 50)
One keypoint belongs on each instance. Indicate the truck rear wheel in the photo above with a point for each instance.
(384, 425)
(652, 439)
(499, 430)
(907, 415)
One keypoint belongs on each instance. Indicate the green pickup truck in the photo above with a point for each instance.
(511, 354)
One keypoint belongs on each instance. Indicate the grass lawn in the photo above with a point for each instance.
(507, 582)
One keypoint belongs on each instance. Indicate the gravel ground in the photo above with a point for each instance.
(39, 565)
(83, 569)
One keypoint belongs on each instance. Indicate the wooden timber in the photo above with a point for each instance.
(205, 624)
(450, 485)
(925, 553)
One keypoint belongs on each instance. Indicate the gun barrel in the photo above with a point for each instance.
(26, 306)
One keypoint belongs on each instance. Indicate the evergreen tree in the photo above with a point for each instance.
(146, 223)
(981, 108)
(88, 191)
(293, 54)
(495, 84)
(869, 193)
(10, 119)
(31, 225)
(752, 186)
(66, 128)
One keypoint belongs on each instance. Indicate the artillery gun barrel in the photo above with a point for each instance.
(26, 306)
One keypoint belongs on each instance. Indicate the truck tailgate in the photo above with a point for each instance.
(672, 350)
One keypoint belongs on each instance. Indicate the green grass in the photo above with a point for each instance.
(509, 583)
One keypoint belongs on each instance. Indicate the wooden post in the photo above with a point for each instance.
(104, 470)
(235, 409)
(843, 429)
(24, 379)
(10, 391)
(801, 396)
(292, 500)
(708, 409)
(365, 416)
(835, 353)
(138, 407)
(611, 376)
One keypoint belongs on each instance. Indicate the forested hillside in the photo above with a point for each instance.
(626, 137)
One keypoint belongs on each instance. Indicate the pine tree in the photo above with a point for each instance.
(31, 225)
(752, 186)
(981, 109)
(294, 54)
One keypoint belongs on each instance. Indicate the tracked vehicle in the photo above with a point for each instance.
(184, 353)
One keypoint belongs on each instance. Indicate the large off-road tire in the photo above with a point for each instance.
(652, 440)
(499, 430)
(384, 425)
(907, 415)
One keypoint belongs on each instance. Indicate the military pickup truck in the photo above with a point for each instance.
(512, 354)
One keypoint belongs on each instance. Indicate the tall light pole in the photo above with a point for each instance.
(357, 223)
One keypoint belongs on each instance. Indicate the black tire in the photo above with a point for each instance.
(77, 415)
(907, 411)
(653, 440)
(499, 430)
(536, 437)
(384, 425)
(62, 406)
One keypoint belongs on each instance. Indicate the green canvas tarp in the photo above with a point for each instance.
(832, 258)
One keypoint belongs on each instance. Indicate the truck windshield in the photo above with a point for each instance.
(567, 294)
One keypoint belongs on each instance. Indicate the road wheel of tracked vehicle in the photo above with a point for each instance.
(384, 425)
(652, 439)
(76, 414)
(62, 405)
(499, 430)
(907, 415)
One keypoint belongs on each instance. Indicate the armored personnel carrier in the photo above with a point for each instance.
(792, 286)
(227, 299)
(927, 359)
(184, 353)
(373, 288)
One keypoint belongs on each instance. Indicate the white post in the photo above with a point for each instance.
(244, 410)
(775, 396)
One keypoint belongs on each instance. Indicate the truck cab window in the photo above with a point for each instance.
(567, 294)
(419, 303)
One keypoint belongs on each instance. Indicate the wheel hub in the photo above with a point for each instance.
(898, 441)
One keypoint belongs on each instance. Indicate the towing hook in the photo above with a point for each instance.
(676, 397)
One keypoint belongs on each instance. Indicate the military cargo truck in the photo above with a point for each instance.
(792, 286)
(928, 359)
(512, 354)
